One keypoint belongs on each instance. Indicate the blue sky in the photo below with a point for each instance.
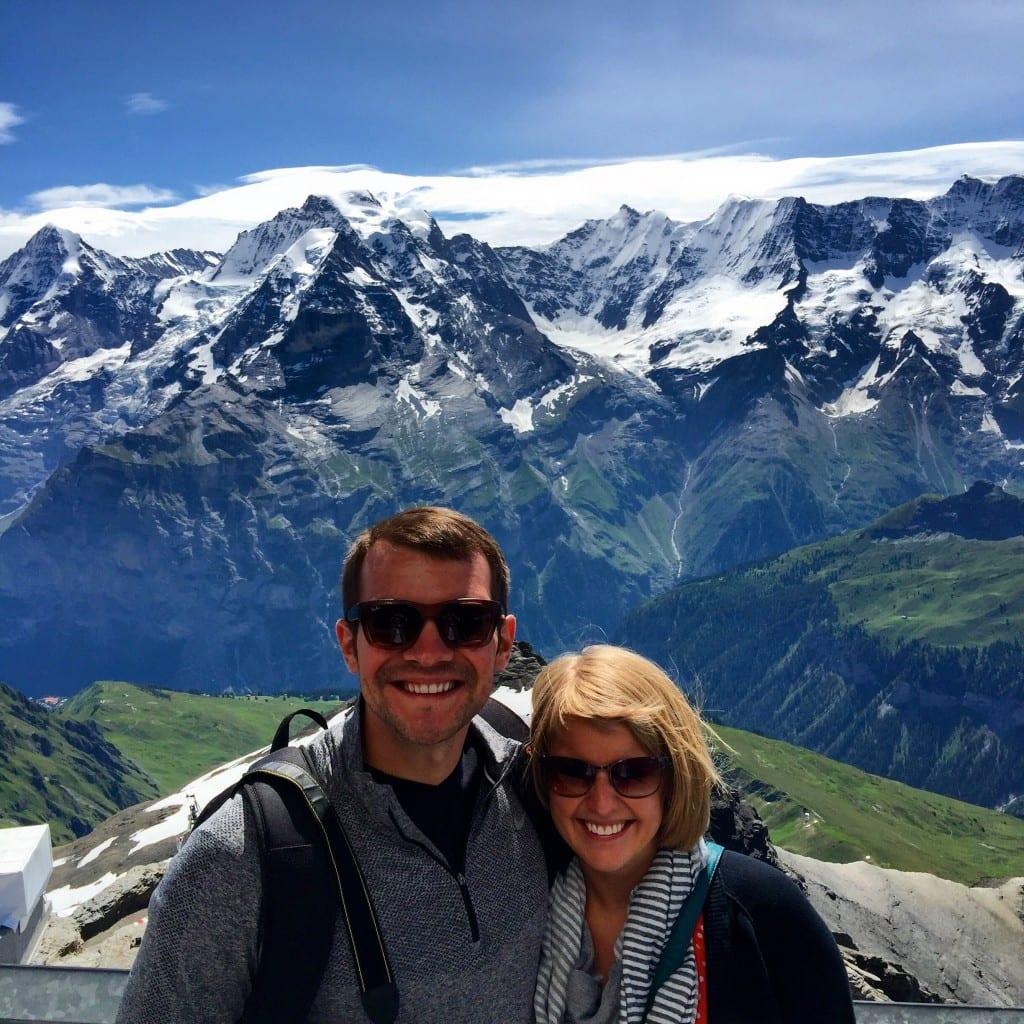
(154, 101)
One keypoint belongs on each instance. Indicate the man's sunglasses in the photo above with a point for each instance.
(396, 625)
(632, 777)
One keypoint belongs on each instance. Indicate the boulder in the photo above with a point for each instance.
(127, 895)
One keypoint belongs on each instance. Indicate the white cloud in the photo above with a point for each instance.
(568, 163)
(9, 118)
(510, 206)
(145, 103)
(100, 195)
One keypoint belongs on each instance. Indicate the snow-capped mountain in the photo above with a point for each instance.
(187, 442)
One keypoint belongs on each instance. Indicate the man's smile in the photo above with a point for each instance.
(427, 688)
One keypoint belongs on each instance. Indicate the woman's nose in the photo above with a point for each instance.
(602, 795)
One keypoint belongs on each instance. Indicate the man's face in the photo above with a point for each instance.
(388, 678)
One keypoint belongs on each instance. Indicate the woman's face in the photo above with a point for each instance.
(611, 834)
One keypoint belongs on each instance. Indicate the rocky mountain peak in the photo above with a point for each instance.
(31, 271)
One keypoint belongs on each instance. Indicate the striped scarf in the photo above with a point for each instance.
(653, 908)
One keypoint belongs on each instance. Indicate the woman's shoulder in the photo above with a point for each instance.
(757, 884)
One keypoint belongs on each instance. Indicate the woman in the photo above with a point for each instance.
(619, 758)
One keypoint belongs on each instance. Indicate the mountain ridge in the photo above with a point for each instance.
(639, 402)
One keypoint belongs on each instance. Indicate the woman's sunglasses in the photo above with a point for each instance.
(632, 777)
(396, 625)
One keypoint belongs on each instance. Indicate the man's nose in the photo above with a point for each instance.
(429, 648)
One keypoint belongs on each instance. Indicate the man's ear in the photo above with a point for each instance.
(346, 633)
(506, 635)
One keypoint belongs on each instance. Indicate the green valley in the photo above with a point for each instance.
(176, 736)
(64, 772)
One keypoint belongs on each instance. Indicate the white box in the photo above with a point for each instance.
(26, 863)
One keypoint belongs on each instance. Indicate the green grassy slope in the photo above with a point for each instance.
(944, 590)
(61, 772)
(176, 736)
(828, 810)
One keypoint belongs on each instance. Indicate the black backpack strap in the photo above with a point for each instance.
(501, 718)
(335, 869)
(300, 903)
(280, 740)
(310, 871)
(504, 720)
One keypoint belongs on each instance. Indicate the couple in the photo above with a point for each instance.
(432, 799)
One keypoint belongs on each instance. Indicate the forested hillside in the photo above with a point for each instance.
(895, 648)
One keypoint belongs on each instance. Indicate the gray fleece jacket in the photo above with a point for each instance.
(199, 954)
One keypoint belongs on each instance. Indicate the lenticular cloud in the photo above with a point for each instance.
(529, 204)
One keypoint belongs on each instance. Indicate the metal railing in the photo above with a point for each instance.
(90, 995)
(75, 995)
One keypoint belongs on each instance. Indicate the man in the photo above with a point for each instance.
(425, 793)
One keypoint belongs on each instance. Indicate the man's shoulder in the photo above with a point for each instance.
(334, 751)
(500, 736)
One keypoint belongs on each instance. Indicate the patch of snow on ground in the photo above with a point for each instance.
(709, 321)
(566, 390)
(359, 277)
(66, 900)
(422, 316)
(96, 851)
(969, 361)
(960, 388)
(520, 701)
(836, 291)
(713, 319)
(989, 425)
(308, 251)
(855, 399)
(194, 297)
(425, 407)
(88, 366)
(912, 304)
(968, 251)
(201, 790)
(202, 362)
(519, 417)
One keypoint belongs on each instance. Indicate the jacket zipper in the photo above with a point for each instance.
(459, 876)
(474, 925)
(460, 879)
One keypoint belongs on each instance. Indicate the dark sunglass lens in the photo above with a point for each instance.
(568, 776)
(636, 776)
(392, 625)
(474, 625)
(466, 625)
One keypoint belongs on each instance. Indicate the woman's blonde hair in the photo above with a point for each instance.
(615, 684)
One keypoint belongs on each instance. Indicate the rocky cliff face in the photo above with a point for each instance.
(188, 442)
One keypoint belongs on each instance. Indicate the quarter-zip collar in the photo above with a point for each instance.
(499, 755)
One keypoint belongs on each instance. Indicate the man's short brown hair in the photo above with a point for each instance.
(432, 531)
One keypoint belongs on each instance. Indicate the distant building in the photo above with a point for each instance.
(50, 702)
(26, 863)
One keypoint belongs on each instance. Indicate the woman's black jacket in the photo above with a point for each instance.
(770, 957)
